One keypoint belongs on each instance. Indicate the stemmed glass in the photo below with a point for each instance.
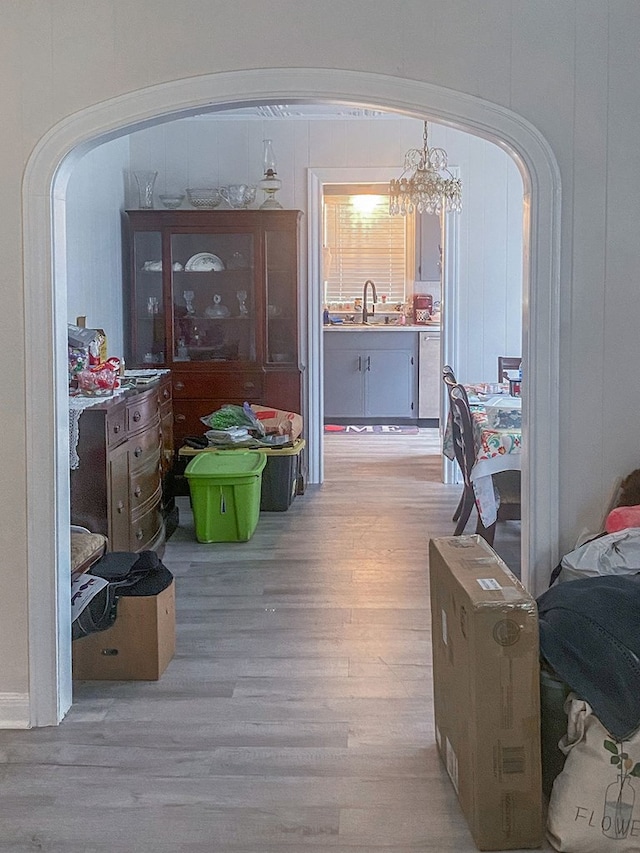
(241, 296)
(188, 301)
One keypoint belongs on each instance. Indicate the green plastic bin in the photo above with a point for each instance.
(225, 494)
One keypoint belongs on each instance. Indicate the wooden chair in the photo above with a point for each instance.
(86, 549)
(462, 432)
(507, 485)
(506, 363)
(448, 375)
(449, 379)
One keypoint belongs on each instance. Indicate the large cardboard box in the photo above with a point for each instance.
(138, 646)
(487, 691)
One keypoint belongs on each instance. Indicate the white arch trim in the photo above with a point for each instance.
(45, 317)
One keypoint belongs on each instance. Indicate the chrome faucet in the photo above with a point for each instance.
(365, 313)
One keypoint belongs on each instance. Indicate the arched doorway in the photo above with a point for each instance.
(45, 292)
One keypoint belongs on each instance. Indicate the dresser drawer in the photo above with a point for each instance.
(165, 393)
(145, 482)
(142, 411)
(116, 425)
(244, 385)
(146, 529)
(144, 448)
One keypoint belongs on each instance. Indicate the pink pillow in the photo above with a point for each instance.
(622, 517)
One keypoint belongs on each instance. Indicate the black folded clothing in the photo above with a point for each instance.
(151, 584)
(198, 442)
(118, 566)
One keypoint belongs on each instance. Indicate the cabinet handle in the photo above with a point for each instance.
(249, 385)
(139, 533)
(117, 428)
(166, 394)
(137, 451)
(368, 362)
(359, 364)
(136, 416)
(179, 386)
(120, 507)
(180, 418)
(137, 491)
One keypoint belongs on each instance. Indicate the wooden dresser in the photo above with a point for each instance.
(125, 450)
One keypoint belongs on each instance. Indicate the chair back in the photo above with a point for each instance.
(462, 430)
(506, 362)
(448, 375)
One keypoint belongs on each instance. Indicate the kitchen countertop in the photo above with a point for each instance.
(381, 327)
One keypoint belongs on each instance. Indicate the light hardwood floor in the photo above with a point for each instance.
(297, 713)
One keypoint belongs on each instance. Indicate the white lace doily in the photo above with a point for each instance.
(77, 405)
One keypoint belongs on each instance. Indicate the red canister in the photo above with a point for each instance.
(422, 308)
(514, 387)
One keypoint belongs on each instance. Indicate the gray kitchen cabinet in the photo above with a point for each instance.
(370, 374)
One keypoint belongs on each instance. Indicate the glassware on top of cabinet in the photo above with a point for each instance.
(146, 181)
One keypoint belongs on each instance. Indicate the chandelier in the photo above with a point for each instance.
(426, 185)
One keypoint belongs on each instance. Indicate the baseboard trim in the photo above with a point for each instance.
(14, 711)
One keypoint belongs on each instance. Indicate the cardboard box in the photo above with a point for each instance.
(278, 421)
(487, 691)
(139, 645)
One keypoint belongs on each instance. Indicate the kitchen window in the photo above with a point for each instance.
(362, 241)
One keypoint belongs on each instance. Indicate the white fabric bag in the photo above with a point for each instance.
(613, 554)
(595, 801)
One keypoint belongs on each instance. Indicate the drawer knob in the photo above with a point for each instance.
(136, 416)
(166, 394)
(179, 385)
(139, 533)
(180, 418)
(137, 451)
(117, 428)
(137, 491)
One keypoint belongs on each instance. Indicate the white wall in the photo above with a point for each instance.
(219, 150)
(569, 68)
(95, 199)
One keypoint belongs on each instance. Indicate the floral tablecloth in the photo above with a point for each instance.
(496, 450)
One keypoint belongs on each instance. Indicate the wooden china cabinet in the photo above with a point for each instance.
(213, 295)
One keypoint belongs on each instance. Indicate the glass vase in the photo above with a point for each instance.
(146, 181)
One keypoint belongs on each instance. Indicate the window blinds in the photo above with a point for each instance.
(362, 241)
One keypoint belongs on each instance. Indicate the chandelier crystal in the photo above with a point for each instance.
(426, 185)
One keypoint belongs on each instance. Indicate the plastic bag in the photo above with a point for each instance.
(614, 554)
(231, 416)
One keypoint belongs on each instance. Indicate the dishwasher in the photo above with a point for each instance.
(429, 375)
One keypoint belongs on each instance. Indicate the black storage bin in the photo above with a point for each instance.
(280, 477)
(553, 725)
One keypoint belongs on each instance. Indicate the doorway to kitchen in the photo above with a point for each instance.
(45, 318)
(397, 376)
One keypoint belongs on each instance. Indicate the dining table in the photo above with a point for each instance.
(497, 437)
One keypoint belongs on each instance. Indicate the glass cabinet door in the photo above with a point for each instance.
(148, 317)
(281, 297)
(213, 296)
